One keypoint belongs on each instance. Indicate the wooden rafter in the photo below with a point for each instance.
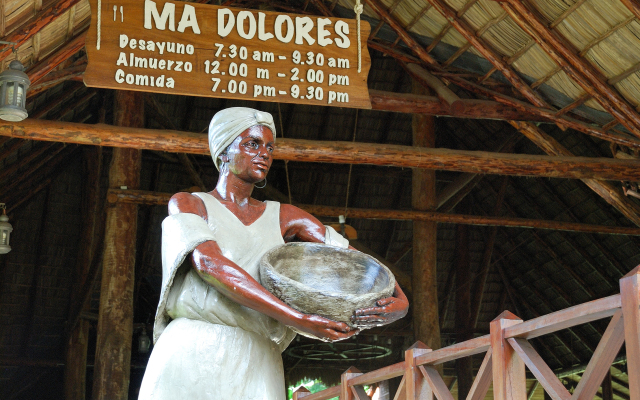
(606, 190)
(562, 121)
(387, 18)
(47, 65)
(54, 78)
(633, 6)
(36, 24)
(582, 72)
(465, 30)
(337, 152)
(151, 198)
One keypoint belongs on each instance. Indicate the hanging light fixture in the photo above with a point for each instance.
(5, 230)
(144, 342)
(13, 90)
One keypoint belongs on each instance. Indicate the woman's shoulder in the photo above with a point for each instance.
(184, 202)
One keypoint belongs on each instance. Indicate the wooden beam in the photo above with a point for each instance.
(336, 152)
(465, 30)
(115, 324)
(563, 121)
(152, 198)
(36, 24)
(581, 71)
(424, 281)
(601, 360)
(68, 94)
(54, 78)
(611, 194)
(540, 369)
(400, 31)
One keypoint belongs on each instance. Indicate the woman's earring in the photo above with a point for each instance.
(265, 184)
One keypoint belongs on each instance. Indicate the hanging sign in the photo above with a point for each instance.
(205, 50)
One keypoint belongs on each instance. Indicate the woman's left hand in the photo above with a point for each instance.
(388, 310)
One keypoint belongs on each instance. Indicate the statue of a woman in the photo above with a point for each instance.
(218, 332)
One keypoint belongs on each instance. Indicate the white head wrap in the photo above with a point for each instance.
(229, 123)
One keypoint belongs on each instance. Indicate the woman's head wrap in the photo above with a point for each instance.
(229, 123)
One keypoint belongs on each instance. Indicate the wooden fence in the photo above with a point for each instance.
(507, 351)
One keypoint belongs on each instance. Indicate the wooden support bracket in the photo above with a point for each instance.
(440, 389)
(540, 369)
(483, 379)
(600, 363)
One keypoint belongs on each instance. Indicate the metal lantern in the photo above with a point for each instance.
(13, 92)
(144, 342)
(5, 231)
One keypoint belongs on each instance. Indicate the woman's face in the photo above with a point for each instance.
(249, 156)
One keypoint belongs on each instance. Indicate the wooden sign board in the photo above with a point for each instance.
(205, 50)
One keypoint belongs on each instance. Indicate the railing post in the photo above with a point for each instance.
(630, 294)
(415, 385)
(300, 393)
(509, 379)
(351, 393)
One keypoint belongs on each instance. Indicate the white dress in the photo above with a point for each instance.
(214, 348)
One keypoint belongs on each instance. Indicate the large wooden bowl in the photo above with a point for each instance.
(329, 281)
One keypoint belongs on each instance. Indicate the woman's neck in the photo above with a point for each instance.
(233, 189)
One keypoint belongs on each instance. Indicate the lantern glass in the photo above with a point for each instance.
(144, 342)
(13, 89)
(5, 234)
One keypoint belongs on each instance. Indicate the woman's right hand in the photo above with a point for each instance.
(325, 329)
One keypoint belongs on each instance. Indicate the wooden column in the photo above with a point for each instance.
(509, 379)
(115, 324)
(464, 367)
(76, 357)
(75, 371)
(424, 279)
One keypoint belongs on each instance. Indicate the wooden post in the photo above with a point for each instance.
(630, 291)
(115, 324)
(464, 368)
(76, 357)
(424, 280)
(509, 379)
(75, 372)
(300, 393)
(415, 385)
(353, 392)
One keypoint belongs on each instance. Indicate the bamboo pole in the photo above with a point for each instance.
(336, 152)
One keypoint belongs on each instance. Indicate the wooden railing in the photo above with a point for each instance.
(507, 352)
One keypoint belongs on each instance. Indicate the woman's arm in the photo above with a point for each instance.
(297, 224)
(235, 283)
